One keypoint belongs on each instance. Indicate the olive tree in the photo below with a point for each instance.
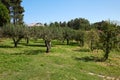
(68, 34)
(28, 33)
(16, 32)
(116, 44)
(48, 34)
(92, 39)
(107, 38)
(80, 37)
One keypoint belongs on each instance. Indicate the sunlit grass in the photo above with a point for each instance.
(64, 62)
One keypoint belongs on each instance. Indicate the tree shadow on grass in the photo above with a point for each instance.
(65, 43)
(7, 46)
(32, 45)
(73, 44)
(30, 52)
(83, 50)
(89, 59)
(24, 44)
(35, 45)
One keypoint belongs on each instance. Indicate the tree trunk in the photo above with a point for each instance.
(27, 40)
(107, 51)
(67, 41)
(48, 46)
(16, 41)
(15, 44)
(105, 57)
(107, 47)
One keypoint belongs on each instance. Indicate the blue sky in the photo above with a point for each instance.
(46, 11)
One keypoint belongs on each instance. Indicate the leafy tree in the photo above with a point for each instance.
(99, 25)
(64, 24)
(49, 34)
(79, 23)
(28, 34)
(68, 34)
(70, 23)
(6, 3)
(107, 38)
(36, 32)
(79, 37)
(57, 24)
(4, 15)
(15, 10)
(116, 40)
(52, 24)
(92, 39)
(16, 32)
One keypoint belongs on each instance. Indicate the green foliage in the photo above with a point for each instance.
(117, 39)
(15, 10)
(11, 30)
(107, 38)
(48, 34)
(68, 34)
(6, 3)
(4, 15)
(64, 24)
(92, 39)
(80, 37)
(16, 32)
(79, 23)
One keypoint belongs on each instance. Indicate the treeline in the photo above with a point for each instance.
(102, 35)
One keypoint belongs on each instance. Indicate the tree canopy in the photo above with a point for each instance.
(4, 15)
(15, 10)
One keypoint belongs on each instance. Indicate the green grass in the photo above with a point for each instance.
(64, 62)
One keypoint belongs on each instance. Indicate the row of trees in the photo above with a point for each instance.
(106, 36)
(77, 23)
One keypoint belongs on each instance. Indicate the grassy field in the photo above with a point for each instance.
(64, 62)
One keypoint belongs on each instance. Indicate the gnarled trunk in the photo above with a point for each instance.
(108, 47)
(16, 41)
(107, 51)
(48, 45)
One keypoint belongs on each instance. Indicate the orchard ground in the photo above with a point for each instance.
(64, 62)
